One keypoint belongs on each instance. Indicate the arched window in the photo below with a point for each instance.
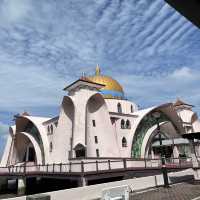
(119, 108)
(128, 124)
(131, 108)
(124, 142)
(51, 147)
(56, 124)
(51, 129)
(97, 152)
(48, 129)
(122, 124)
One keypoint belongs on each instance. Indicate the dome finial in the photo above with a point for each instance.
(98, 71)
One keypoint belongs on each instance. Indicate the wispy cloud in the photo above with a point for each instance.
(13, 11)
(44, 45)
(162, 88)
(32, 87)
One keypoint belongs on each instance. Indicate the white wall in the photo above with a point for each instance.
(63, 133)
(186, 115)
(126, 106)
(127, 133)
(80, 98)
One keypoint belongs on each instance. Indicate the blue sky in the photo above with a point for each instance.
(44, 45)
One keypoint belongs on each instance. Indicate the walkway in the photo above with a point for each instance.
(181, 191)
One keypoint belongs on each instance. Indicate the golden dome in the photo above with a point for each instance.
(112, 88)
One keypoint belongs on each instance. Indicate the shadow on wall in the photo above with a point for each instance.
(68, 107)
(95, 103)
(3, 139)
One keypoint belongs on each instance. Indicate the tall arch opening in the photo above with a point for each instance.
(145, 134)
(25, 149)
(26, 128)
(64, 142)
(96, 109)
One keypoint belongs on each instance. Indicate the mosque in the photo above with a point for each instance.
(97, 121)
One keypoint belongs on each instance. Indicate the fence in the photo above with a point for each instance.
(88, 166)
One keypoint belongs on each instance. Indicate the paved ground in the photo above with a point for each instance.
(5, 196)
(182, 191)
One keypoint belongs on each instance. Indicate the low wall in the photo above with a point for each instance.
(94, 191)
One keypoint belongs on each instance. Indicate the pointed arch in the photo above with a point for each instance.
(132, 109)
(124, 142)
(65, 128)
(68, 107)
(119, 108)
(122, 124)
(51, 129)
(128, 124)
(96, 109)
(95, 104)
(34, 127)
(146, 122)
(21, 143)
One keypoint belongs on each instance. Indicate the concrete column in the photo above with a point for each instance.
(194, 161)
(21, 186)
(175, 152)
(197, 149)
(82, 182)
(79, 130)
(152, 154)
(193, 154)
(27, 153)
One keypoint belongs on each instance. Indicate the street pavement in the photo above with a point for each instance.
(181, 191)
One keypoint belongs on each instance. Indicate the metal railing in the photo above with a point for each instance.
(95, 166)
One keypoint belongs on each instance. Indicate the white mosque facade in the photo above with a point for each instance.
(96, 121)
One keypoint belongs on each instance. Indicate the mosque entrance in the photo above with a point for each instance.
(146, 142)
(167, 151)
(155, 150)
(80, 151)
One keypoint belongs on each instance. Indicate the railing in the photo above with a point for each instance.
(95, 166)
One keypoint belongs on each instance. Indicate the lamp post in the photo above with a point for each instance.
(156, 115)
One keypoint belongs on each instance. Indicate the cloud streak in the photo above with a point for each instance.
(44, 45)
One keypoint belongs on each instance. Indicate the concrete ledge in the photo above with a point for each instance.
(95, 191)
